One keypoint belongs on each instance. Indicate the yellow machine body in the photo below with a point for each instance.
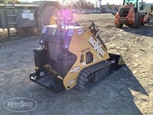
(71, 56)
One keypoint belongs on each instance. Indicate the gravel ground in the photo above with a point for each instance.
(128, 91)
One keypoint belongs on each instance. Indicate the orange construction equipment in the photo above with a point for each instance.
(130, 15)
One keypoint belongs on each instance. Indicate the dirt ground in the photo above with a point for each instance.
(128, 91)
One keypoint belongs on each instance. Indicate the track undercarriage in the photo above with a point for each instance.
(92, 75)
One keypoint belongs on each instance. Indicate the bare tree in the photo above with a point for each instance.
(83, 5)
(82, 1)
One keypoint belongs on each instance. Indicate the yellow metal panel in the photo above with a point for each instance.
(80, 45)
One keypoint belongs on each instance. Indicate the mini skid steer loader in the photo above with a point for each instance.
(72, 56)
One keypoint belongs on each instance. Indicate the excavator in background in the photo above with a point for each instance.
(70, 56)
(131, 15)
